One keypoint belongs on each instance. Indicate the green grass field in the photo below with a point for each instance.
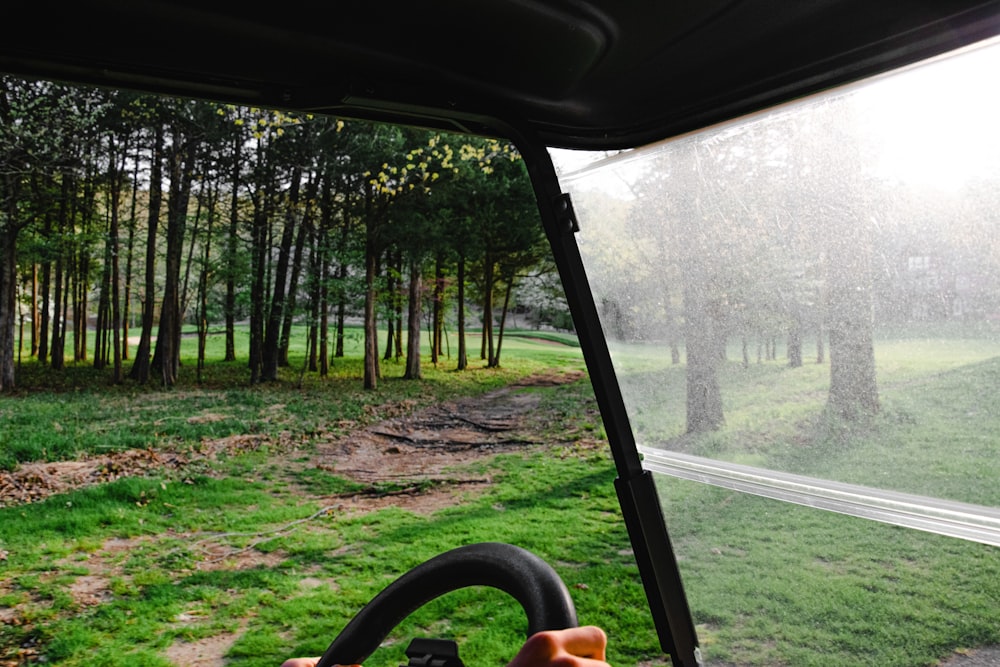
(773, 583)
(936, 433)
(769, 583)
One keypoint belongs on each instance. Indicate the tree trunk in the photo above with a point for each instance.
(341, 313)
(397, 307)
(795, 340)
(312, 351)
(56, 360)
(672, 330)
(10, 228)
(61, 307)
(20, 338)
(413, 323)
(269, 370)
(820, 349)
(34, 310)
(495, 362)
(853, 390)
(141, 369)
(259, 250)
(81, 274)
(231, 249)
(372, 223)
(43, 337)
(189, 263)
(166, 357)
(102, 353)
(79, 282)
(8, 297)
(116, 314)
(390, 336)
(324, 327)
(704, 397)
(371, 374)
(284, 339)
(341, 278)
(487, 343)
(315, 285)
(324, 306)
(438, 315)
(202, 318)
(320, 262)
(392, 283)
(463, 358)
(129, 255)
(57, 352)
(203, 277)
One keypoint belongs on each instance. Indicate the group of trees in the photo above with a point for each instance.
(782, 230)
(206, 212)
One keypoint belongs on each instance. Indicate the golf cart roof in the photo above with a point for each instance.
(585, 74)
(591, 74)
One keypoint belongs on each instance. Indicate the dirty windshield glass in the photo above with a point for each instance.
(805, 304)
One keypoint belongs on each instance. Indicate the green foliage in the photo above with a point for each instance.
(357, 189)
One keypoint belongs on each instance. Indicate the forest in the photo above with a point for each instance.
(126, 216)
(786, 231)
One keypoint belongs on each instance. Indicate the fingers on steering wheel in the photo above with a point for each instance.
(573, 647)
(587, 642)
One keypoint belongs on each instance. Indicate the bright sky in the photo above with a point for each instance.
(939, 124)
(935, 125)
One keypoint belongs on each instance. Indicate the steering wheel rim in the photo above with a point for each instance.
(512, 569)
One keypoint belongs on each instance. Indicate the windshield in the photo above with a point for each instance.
(804, 305)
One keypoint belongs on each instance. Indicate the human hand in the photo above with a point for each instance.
(574, 647)
(307, 662)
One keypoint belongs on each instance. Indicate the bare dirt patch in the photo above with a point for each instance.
(207, 652)
(419, 446)
(986, 656)
(32, 482)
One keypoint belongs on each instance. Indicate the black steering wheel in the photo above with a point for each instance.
(516, 571)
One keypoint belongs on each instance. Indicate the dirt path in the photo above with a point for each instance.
(417, 446)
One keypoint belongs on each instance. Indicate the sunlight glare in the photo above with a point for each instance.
(938, 125)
